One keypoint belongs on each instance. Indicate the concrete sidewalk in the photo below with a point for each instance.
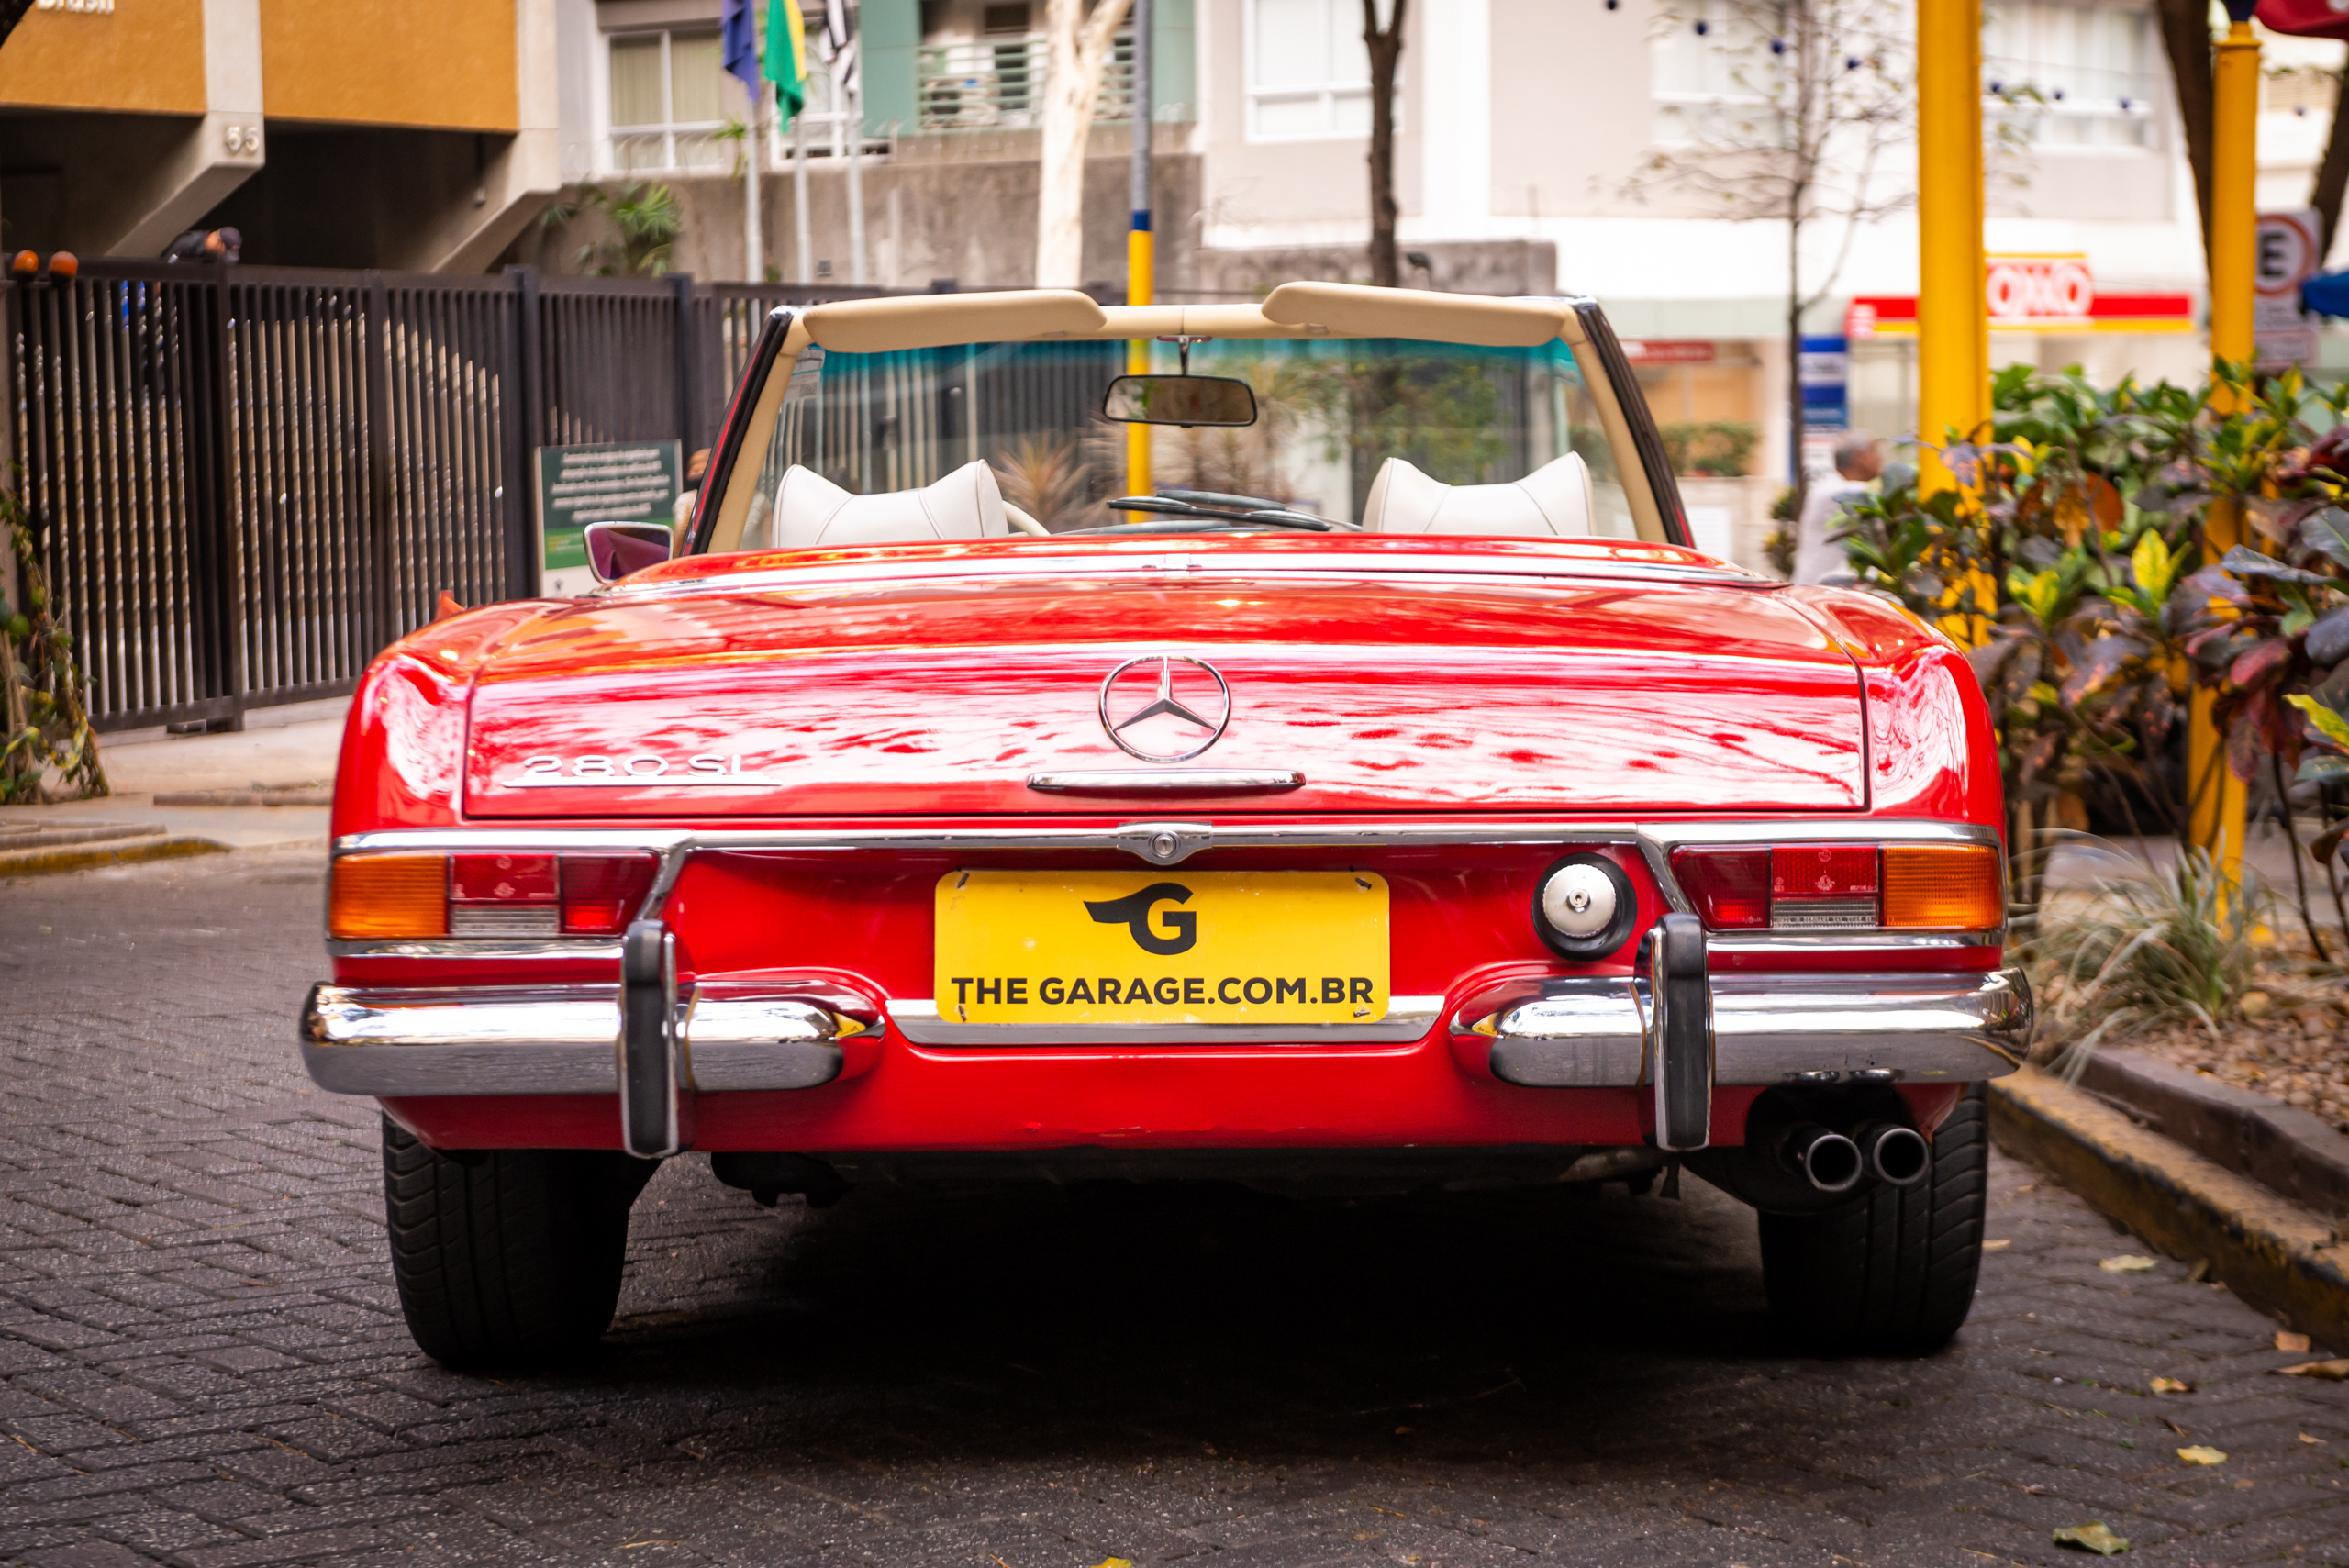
(181, 794)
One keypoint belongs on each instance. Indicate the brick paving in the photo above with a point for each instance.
(201, 1362)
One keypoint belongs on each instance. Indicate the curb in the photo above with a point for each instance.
(2293, 1153)
(2280, 1258)
(88, 857)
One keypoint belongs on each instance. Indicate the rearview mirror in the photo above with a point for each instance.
(615, 549)
(1179, 400)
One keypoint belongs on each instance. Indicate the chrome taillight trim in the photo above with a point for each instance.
(1172, 843)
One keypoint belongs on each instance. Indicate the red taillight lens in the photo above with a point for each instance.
(1823, 871)
(1730, 888)
(502, 879)
(601, 893)
(1823, 884)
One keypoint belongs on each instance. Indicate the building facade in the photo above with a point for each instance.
(440, 134)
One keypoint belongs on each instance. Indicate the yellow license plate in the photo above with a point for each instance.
(1289, 947)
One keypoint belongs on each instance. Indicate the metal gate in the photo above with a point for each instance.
(243, 480)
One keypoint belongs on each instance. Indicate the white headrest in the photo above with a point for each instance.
(1553, 499)
(810, 511)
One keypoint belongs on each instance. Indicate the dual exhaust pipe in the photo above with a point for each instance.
(1832, 1161)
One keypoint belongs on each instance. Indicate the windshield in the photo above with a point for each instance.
(1386, 434)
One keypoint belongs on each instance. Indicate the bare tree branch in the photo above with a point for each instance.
(2332, 173)
(1385, 46)
(1815, 91)
(2186, 39)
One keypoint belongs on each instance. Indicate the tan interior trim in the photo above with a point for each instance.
(734, 507)
(1354, 310)
(934, 320)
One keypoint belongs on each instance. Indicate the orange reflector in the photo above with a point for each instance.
(389, 895)
(1949, 887)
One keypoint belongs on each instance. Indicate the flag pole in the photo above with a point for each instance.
(753, 151)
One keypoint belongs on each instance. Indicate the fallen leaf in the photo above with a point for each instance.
(2245, 1484)
(2332, 1371)
(2201, 1453)
(2174, 1426)
(2027, 1187)
(2094, 1536)
(2291, 1343)
(1400, 1430)
(2127, 1264)
(2169, 1385)
(1116, 1563)
(2306, 1438)
(2200, 1271)
(1999, 1246)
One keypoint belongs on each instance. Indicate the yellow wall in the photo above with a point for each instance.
(447, 63)
(144, 56)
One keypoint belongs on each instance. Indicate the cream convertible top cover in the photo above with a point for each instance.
(1297, 311)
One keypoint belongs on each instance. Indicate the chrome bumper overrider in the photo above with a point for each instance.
(557, 1040)
(1765, 1029)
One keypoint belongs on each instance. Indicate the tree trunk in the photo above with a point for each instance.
(1386, 51)
(1797, 478)
(1075, 46)
(2186, 39)
(2332, 173)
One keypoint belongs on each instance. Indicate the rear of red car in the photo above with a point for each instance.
(1568, 866)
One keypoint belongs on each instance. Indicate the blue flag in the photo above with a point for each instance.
(740, 36)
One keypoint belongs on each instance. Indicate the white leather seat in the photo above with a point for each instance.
(811, 512)
(1553, 499)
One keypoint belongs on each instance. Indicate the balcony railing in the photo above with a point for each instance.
(998, 82)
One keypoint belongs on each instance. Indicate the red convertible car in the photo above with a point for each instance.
(1399, 803)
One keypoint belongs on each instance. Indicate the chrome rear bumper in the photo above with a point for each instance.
(557, 1040)
(1765, 1029)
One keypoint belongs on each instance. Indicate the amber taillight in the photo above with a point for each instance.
(389, 895)
(588, 893)
(1831, 886)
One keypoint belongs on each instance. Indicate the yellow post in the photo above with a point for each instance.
(2214, 794)
(1140, 263)
(1953, 328)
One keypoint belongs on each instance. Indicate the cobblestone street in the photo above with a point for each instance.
(201, 1362)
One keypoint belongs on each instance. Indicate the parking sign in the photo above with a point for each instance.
(2287, 257)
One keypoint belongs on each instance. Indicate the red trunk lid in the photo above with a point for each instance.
(1387, 692)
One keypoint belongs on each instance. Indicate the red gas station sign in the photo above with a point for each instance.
(2033, 293)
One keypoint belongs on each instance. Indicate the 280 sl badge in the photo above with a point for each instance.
(708, 771)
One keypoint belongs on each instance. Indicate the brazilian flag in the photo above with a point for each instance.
(787, 57)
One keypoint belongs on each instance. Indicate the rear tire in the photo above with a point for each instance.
(508, 1257)
(1894, 1270)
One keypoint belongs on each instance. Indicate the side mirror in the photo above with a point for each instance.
(615, 549)
(1179, 400)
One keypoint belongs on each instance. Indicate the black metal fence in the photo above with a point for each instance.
(243, 480)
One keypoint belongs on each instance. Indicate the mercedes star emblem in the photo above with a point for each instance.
(1123, 708)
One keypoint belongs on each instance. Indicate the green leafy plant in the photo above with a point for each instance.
(2165, 944)
(645, 222)
(2047, 566)
(1721, 448)
(44, 730)
(1044, 477)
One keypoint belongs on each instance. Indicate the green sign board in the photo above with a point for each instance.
(612, 481)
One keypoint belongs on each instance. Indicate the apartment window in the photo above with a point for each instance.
(667, 105)
(1308, 71)
(1707, 69)
(2064, 75)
